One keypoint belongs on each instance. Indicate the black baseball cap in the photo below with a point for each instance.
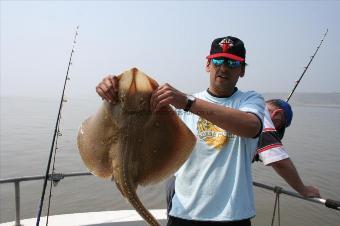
(228, 47)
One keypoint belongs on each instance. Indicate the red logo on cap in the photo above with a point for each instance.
(226, 44)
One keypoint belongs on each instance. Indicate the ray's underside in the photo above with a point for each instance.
(132, 145)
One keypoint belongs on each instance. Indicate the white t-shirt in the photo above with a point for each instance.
(215, 183)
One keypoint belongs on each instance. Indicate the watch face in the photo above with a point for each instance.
(191, 99)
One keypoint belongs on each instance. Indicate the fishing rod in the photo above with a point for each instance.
(56, 131)
(304, 71)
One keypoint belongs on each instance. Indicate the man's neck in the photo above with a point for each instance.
(222, 93)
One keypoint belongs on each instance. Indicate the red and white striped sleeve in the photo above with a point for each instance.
(270, 148)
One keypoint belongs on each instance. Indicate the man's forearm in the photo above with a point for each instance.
(286, 169)
(237, 122)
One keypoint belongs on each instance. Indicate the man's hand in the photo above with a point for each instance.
(310, 192)
(165, 95)
(107, 89)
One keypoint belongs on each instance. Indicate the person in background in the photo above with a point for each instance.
(278, 116)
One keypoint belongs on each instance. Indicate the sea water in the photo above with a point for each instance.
(27, 126)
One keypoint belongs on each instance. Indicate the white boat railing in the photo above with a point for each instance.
(56, 177)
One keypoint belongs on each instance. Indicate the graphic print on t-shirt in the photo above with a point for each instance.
(212, 135)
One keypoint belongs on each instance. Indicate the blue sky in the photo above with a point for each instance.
(168, 40)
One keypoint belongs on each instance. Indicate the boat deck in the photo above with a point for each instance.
(104, 218)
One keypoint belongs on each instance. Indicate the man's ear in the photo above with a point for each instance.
(278, 111)
(207, 66)
(281, 111)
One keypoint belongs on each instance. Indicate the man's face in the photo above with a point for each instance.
(223, 79)
(278, 117)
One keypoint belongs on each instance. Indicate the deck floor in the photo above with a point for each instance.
(105, 218)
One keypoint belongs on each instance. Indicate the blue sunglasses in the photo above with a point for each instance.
(229, 63)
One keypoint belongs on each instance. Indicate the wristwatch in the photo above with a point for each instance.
(190, 100)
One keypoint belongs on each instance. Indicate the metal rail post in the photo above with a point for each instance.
(17, 203)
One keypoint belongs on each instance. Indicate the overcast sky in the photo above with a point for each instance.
(168, 40)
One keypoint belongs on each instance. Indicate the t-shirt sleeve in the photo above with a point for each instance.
(270, 148)
(254, 103)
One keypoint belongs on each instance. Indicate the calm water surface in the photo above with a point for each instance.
(27, 126)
